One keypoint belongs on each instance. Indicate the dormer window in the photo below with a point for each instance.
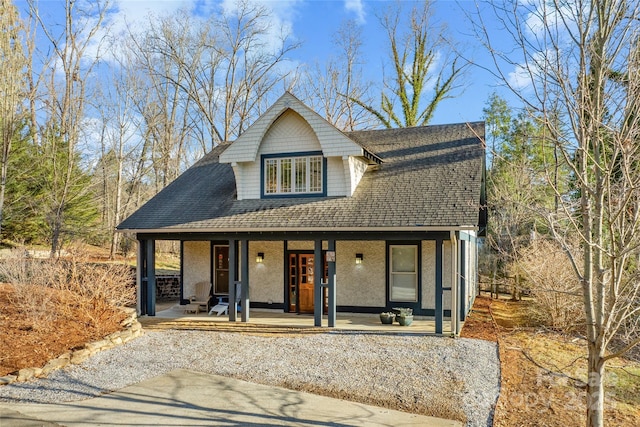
(293, 175)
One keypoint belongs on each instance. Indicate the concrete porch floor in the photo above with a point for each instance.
(171, 315)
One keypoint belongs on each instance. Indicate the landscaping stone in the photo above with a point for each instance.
(8, 379)
(80, 356)
(133, 330)
(25, 374)
(97, 345)
(54, 364)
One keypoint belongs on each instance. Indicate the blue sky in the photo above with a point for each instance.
(313, 22)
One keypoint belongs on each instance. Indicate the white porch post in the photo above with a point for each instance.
(455, 321)
(332, 287)
(244, 274)
(233, 306)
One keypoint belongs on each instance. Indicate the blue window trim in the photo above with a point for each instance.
(415, 305)
(263, 157)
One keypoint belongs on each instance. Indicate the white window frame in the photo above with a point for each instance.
(292, 187)
(393, 274)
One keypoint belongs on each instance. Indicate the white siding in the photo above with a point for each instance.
(356, 168)
(337, 185)
(334, 142)
(290, 133)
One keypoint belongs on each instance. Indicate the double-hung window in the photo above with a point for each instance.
(295, 175)
(403, 273)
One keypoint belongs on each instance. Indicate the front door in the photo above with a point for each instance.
(221, 270)
(302, 283)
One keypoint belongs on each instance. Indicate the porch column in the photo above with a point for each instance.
(463, 279)
(233, 307)
(455, 283)
(318, 268)
(332, 287)
(244, 274)
(439, 290)
(146, 277)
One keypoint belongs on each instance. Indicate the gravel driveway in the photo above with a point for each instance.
(443, 377)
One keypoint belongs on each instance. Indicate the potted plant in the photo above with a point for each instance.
(387, 317)
(404, 315)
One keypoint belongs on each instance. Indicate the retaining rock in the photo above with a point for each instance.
(132, 330)
(8, 379)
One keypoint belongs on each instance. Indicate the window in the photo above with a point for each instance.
(403, 273)
(293, 175)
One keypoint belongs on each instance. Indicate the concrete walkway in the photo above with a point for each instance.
(187, 398)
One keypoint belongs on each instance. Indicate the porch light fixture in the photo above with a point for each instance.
(260, 257)
(359, 258)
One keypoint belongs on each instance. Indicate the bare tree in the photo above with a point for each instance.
(331, 89)
(422, 61)
(65, 100)
(581, 63)
(12, 88)
(120, 147)
(253, 64)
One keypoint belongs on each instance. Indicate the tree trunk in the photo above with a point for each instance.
(595, 387)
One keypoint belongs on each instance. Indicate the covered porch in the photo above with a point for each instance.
(172, 316)
(439, 288)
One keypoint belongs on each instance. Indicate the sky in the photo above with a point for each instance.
(314, 22)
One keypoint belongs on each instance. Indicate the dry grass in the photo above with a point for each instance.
(51, 306)
(557, 293)
(544, 372)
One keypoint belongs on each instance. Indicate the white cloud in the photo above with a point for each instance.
(519, 78)
(357, 7)
(543, 19)
(535, 70)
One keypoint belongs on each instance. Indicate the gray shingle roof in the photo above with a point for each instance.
(430, 177)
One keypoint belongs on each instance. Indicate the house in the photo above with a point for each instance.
(297, 216)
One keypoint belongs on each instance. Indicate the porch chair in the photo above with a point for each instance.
(203, 295)
(222, 307)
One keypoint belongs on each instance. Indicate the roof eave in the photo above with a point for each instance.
(179, 230)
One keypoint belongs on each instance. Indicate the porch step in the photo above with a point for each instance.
(160, 324)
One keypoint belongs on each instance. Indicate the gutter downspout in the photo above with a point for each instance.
(455, 318)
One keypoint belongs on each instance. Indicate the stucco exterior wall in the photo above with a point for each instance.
(428, 274)
(266, 279)
(196, 265)
(446, 274)
(361, 284)
(304, 245)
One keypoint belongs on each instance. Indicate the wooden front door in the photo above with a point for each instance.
(302, 283)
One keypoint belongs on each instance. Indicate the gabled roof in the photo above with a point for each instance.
(431, 178)
(332, 140)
